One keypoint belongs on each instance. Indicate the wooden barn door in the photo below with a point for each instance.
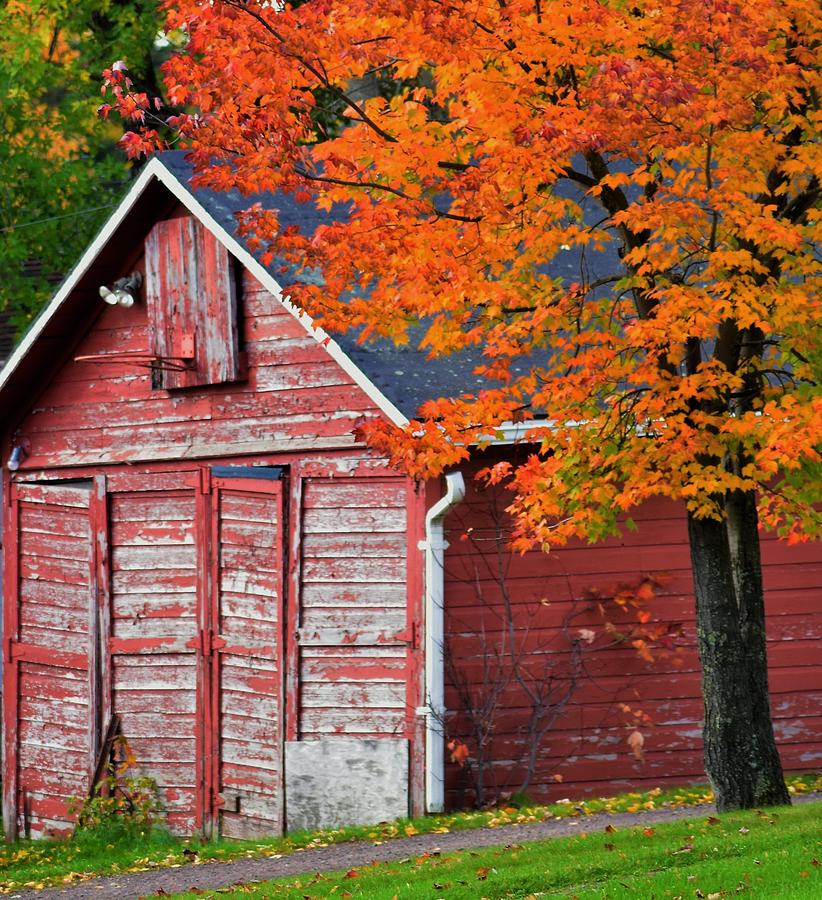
(246, 650)
(156, 664)
(55, 598)
(185, 644)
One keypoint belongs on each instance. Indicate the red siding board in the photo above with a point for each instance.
(587, 744)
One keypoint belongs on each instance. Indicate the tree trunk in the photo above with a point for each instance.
(741, 759)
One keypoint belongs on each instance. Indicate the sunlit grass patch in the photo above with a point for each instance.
(763, 854)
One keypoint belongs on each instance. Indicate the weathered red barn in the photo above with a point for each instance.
(195, 542)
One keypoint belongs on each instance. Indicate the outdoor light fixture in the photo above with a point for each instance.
(18, 453)
(123, 291)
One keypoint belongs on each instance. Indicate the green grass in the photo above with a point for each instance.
(757, 854)
(43, 863)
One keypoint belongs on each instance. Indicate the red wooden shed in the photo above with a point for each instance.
(195, 543)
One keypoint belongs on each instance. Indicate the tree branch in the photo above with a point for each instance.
(314, 70)
(325, 179)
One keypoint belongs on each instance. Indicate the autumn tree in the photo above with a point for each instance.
(59, 170)
(619, 203)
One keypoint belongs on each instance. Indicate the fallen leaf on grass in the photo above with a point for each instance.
(744, 830)
(648, 831)
(352, 873)
(712, 820)
(610, 829)
(482, 873)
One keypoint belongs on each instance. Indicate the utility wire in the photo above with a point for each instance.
(82, 212)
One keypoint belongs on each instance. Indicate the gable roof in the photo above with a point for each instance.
(397, 379)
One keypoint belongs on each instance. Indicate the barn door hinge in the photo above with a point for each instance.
(206, 643)
(408, 636)
(230, 803)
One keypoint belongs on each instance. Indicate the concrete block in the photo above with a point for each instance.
(343, 781)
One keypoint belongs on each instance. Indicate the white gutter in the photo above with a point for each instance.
(434, 710)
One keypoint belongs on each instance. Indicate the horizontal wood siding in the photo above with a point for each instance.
(294, 396)
(53, 683)
(353, 662)
(587, 746)
(153, 643)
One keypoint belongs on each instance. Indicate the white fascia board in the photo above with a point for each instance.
(71, 280)
(517, 432)
(527, 432)
(182, 193)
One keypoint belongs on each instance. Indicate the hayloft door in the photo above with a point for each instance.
(247, 650)
(54, 656)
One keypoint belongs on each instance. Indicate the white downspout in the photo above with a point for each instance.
(434, 710)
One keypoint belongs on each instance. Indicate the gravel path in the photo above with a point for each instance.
(350, 855)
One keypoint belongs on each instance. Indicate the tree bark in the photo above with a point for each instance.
(741, 759)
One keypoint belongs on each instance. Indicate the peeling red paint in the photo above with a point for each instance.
(351, 673)
(587, 744)
(191, 631)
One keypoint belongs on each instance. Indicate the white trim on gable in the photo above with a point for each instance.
(156, 169)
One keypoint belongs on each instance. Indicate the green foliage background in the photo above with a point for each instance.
(59, 169)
